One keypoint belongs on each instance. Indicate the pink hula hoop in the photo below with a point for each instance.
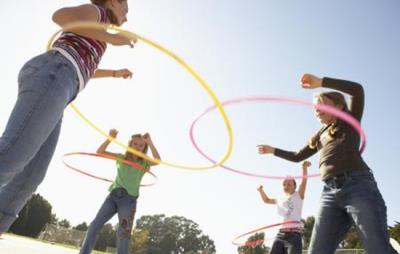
(328, 109)
(131, 163)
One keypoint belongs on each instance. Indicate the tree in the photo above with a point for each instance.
(106, 238)
(54, 219)
(394, 231)
(64, 223)
(139, 241)
(173, 235)
(33, 217)
(81, 227)
(352, 240)
(256, 245)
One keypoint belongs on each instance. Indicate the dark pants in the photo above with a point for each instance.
(287, 243)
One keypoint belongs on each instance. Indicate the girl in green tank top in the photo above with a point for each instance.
(124, 192)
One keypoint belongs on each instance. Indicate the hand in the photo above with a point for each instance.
(263, 149)
(123, 73)
(120, 39)
(306, 165)
(310, 81)
(146, 137)
(261, 188)
(113, 133)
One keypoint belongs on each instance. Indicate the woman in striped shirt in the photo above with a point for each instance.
(47, 84)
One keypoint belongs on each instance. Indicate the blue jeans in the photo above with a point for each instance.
(47, 83)
(118, 201)
(287, 243)
(351, 199)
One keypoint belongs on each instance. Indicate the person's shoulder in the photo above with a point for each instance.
(296, 194)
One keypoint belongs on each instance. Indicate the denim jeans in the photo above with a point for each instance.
(118, 201)
(287, 243)
(47, 83)
(351, 199)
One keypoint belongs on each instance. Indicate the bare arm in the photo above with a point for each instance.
(303, 184)
(64, 17)
(264, 196)
(102, 148)
(153, 150)
(123, 73)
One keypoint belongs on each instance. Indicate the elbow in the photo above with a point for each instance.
(358, 90)
(57, 18)
(297, 159)
(62, 17)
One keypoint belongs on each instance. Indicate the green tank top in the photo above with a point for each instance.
(128, 177)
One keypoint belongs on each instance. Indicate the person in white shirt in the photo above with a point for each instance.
(289, 238)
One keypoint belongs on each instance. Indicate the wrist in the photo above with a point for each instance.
(114, 74)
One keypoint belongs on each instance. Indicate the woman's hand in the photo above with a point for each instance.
(120, 39)
(265, 149)
(310, 81)
(123, 73)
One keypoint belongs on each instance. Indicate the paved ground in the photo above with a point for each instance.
(10, 244)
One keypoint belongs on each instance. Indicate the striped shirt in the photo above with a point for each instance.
(84, 53)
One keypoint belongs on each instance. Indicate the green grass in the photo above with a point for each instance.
(57, 244)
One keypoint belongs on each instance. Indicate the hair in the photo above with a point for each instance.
(129, 154)
(110, 14)
(338, 99)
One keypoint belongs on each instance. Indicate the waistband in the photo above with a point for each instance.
(291, 230)
(339, 179)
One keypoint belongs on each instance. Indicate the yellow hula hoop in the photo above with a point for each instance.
(192, 72)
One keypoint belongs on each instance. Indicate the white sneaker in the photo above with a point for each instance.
(395, 245)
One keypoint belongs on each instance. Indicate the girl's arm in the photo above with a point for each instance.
(102, 148)
(301, 155)
(153, 149)
(264, 196)
(355, 90)
(123, 73)
(303, 184)
(88, 13)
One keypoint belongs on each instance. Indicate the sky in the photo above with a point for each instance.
(241, 48)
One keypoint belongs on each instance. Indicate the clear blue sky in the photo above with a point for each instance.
(241, 48)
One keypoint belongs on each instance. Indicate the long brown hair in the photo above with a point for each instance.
(338, 99)
(110, 14)
(128, 155)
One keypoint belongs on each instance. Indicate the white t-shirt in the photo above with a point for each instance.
(290, 207)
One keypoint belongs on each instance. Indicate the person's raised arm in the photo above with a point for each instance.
(355, 90)
(303, 184)
(67, 16)
(264, 196)
(103, 147)
(153, 149)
